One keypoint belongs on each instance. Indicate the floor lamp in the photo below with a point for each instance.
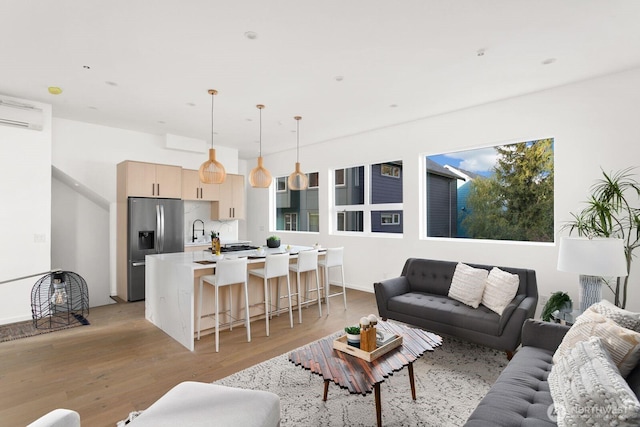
(593, 259)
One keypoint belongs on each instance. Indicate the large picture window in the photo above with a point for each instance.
(503, 192)
(297, 210)
(368, 198)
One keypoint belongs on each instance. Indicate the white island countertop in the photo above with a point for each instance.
(170, 283)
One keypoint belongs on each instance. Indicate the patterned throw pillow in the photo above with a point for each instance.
(500, 290)
(467, 284)
(626, 319)
(622, 344)
(587, 389)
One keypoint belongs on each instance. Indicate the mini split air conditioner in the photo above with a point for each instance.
(20, 115)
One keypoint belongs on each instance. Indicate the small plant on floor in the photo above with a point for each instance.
(557, 301)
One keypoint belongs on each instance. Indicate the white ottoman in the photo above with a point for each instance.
(202, 404)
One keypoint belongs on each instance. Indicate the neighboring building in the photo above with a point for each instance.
(464, 186)
(442, 201)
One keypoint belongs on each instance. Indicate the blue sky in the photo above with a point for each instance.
(480, 160)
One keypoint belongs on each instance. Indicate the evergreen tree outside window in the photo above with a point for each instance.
(504, 192)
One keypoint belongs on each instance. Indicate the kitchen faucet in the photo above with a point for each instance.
(193, 229)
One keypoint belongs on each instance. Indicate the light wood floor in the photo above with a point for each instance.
(122, 363)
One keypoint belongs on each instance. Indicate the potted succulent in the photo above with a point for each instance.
(273, 241)
(353, 335)
(558, 301)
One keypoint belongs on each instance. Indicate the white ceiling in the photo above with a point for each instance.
(152, 61)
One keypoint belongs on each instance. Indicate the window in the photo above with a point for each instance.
(368, 199)
(297, 210)
(503, 192)
(388, 218)
(281, 184)
(291, 221)
(313, 180)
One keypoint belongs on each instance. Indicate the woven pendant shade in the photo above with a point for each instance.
(212, 171)
(260, 177)
(298, 180)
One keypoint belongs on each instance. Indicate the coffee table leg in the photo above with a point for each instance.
(326, 390)
(412, 381)
(376, 390)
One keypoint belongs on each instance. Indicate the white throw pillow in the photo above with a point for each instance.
(626, 319)
(587, 389)
(622, 344)
(467, 284)
(500, 290)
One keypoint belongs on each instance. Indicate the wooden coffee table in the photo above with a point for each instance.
(359, 376)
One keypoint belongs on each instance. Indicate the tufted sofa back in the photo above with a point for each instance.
(434, 276)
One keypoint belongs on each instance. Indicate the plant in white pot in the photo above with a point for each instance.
(353, 335)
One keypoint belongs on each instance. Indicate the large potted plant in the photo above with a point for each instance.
(611, 212)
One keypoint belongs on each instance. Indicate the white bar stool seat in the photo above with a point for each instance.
(334, 258)
(228, 272)
(307, 263)
(275, 267)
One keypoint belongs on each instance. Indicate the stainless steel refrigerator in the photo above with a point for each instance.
(155, 226)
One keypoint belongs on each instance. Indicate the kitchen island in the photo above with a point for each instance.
(172, 283)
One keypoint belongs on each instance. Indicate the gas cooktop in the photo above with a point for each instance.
(236, 248)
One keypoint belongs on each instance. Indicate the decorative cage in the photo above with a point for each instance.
(59, 299)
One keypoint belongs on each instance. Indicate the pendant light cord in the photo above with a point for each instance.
(260, 131)
(297, 140)
(213, 95)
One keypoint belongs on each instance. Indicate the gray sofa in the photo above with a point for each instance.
(520, 395)
(419, 297)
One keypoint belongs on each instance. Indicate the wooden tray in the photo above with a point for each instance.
(341, 345)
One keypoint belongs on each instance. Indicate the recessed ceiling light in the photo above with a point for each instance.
(111, 83)
(249, 120)
(251, 35)
(86, 67)
(548, 61)
(161, 122)
(54, 90)
(339, 78)
(91, 107)
(191, 104)
(393, 106)
(480, 52)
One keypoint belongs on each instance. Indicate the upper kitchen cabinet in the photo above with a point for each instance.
(231, 202)
(193, 189)
(150, 180)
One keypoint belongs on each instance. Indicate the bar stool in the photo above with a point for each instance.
(307, 263)
(275, 267)
(228, 272)
(333, 258)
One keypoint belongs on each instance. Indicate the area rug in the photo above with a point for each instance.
(450, 382)
(14, 331)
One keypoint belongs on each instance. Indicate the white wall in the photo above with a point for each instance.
(593, 122)
(25, 215)
(80, 239)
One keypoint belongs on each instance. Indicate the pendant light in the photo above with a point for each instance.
(298, 180)
(260, 177)
(212, 171)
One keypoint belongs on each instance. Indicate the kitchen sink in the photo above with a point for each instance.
(205, 262)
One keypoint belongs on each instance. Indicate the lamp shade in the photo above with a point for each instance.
(598, 256)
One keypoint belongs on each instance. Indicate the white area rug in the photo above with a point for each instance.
(450, 382)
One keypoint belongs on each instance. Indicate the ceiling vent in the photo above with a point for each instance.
(20, 115)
